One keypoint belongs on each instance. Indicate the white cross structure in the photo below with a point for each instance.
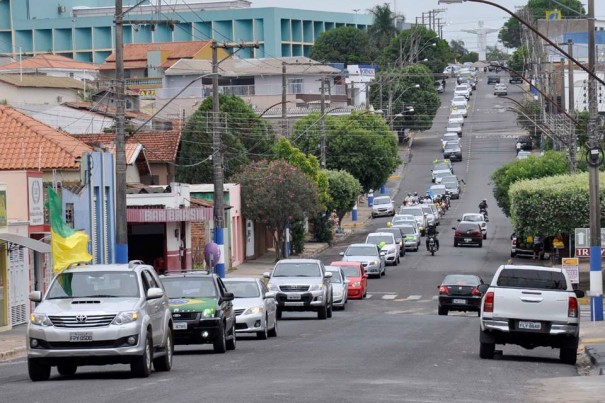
(481, 38)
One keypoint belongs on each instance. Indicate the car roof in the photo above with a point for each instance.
(437, 187)
(299, 261)
(348, 263)
(530, 267)
(242, 279)
(379, 233)
(75, 268)
(194, 273)
(359, 244)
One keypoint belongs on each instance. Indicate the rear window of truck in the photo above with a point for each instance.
(537, 279)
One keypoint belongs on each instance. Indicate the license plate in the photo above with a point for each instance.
(529, 325)
(468, 240)
(295, 303)
(459, 301)
(80, 336)
(180, 326)
(293, 297)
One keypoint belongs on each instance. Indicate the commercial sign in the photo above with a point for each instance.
(572, 266)
(582, 241)
(169, 215)
(36, 201)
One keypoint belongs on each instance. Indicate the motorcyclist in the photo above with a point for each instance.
(415, 198)
(408, 200)
(431, 231)
(483, 207)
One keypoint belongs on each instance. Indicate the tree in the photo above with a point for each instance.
(551, 163)
(276, 194)
(343, 189)
(457, 50)
(383, 27)
(243, 136)
(510, 34)
(518, 60)
(347, 45)
(360, 143)
(495, 54)
(469, 57)
(529, 116)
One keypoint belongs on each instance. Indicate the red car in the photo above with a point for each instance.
(357, 277)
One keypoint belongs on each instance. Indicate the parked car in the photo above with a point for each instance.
(458, 292)
(301, 285)
(515, 80)
(493, 79)
(340, 287)
(468, 233)
(255, 307)
(439, 87)
(526, 142)
(98, 315)
(476, 218)
(398, 238)
(357, 277)
(383, 206)
(452, 151)
(202, 309)
(368, 255)
(448, 137)
(500, 89)
(523, 246)
(389, 248)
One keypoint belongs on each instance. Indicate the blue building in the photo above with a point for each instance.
(83, 29)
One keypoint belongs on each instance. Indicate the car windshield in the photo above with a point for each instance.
(382, 200)
(473, 217)
(360, 250)
(408, 230)
(451, 147)
(350, 271)
(442, 166)
(290, 269)
(336, 278)
(377, 239)
(243, 289)
(468, 227)
(450, 137)
(537, 279)
(427, 209)
(95, 284)
(189, 287)
(449, 179)
(415, 211)
(438, 190)
(460, 279)
(391, 230)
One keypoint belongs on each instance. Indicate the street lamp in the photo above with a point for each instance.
(593, 156)
(392, 101)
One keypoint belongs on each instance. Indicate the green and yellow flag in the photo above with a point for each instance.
(66, 244)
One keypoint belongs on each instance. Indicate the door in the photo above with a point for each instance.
(18, 285)
(227, 308)
(154, 309)
(249, 238)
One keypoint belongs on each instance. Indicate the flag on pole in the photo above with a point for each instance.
(66, 244)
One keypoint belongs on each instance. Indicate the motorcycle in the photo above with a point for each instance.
(432, 245)
(484, 212)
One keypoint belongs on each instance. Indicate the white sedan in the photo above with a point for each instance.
(476, 218)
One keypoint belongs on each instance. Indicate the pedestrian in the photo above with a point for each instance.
(537, 247)
(518, 146)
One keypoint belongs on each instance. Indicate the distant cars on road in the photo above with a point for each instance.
(458, 292)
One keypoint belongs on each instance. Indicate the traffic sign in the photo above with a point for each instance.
(585, 252)
(582, 237)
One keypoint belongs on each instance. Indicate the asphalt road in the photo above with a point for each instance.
(392, 347)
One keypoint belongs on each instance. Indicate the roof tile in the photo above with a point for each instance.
(49, 61)
(135, 54)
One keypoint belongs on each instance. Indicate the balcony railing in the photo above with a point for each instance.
(132, 82)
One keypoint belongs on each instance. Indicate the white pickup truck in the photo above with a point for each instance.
(530, 306)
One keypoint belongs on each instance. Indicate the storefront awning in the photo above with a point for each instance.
(29, 243)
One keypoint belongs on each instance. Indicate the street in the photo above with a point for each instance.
(392, 347)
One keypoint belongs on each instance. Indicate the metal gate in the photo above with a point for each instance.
(19, 285)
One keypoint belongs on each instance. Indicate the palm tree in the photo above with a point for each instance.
(383, 29)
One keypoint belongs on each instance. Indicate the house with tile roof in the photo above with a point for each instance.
(36, 89)
(52, 65)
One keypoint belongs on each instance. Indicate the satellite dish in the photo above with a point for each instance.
(212, 254)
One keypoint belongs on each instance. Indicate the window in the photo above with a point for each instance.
(538, 279)
(69, 214)
(295, 85)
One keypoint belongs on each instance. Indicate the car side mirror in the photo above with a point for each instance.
(228, 296)
(155, 293)
(458, 220)
(454, 228)
(270, 295)
(341, 254)
(328, 274)
(365, 276)
(579, 293)
(35, 296)
(482, 288)
(266, 274)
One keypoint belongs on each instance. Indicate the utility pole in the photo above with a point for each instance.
(217, 154)
(390, 106)
(121, 255)
(595, 154)
(571, 89)
(323, 125)
(284, 93)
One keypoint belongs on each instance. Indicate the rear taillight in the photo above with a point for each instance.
(475, 292)
(443, 290)
(515, 242)
(458, 234)
(488, 302)
(572, 307)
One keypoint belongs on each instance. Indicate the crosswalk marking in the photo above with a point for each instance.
(368, 296)
(391, 296)
(414, 297)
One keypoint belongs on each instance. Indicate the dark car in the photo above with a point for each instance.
(458, 292)
(468, 233)
(515, 80)
(526, 142)
(521, 246)
(493, 79)
(202, 309)
(452, 151)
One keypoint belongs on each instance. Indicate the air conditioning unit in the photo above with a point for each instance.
(61, 9)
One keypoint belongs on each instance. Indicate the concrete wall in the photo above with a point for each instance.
(11, 94)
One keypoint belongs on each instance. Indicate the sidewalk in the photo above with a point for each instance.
(592, 337)
(12, 343)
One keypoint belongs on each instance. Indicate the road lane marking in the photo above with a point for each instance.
(368, 296)
(414, 297)
(392, 296)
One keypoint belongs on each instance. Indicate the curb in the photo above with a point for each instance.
(596, 359)
(13, 354)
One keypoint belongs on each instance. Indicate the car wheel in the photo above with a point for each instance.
(67, 369)
(278, 313)
(344, 306)
(263, 334)
(568, 355)
(141, 366)
(220, 342)
(479, 313)
(232, 342)
(37, 372)
(330, 309)
(365, 294)
(273, 331)
(512, 254)
(487, 350)
(455, 244)
(164, 363)
(481, 244)
(322, 313)
(442, 311)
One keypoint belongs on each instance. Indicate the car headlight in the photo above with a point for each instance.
(273, 287)
(357, 284)
(375, 262)
(40, 319)
(125, 317)
(316, 287)
(254, 310)
(208, 313)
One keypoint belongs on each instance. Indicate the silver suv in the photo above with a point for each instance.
(98, 315)
(301, 285)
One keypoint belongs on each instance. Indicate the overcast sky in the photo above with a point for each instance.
(457, 16)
